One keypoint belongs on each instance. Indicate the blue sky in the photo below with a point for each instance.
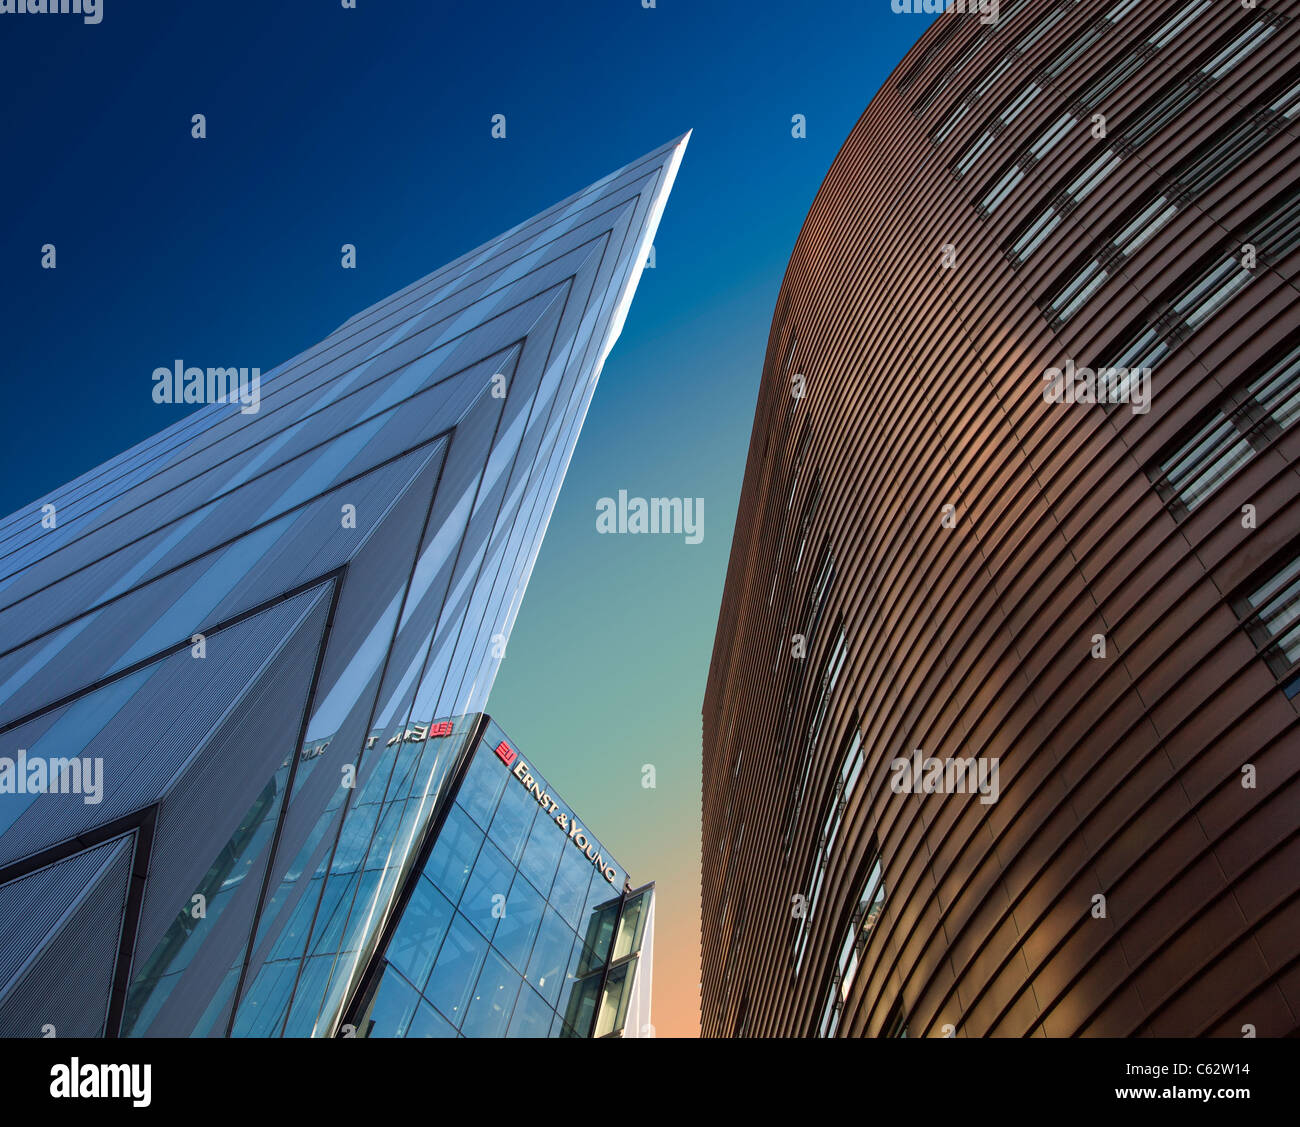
(372, 126)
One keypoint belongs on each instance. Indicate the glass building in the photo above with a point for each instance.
(215, 816)
(519, 922)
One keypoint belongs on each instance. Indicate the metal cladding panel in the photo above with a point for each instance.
(383, 482)
(346, 715)
(140, 737)
(290, 549)
(67, 985)
(31, 906)
(1072, 187)
(232, 764)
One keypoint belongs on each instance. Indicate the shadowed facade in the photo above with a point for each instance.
(988, 564)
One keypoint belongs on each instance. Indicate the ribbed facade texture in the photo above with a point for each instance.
(215, 648)
(992, 560)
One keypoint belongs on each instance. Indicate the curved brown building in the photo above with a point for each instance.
(1078, 597)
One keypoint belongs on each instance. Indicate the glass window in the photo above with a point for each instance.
(810, 511)
(569, 893)
(972, 154)
(162, 971)
(1229, 148)
(1244, 421)
(262, 1011)
(518, 927)
(489, 885)
(949, 123)
(1148, 221)
(1073, 51)
(1084, 284)
(1194, 470)
(394, 1006)
(418, 936)
(555, 940)
(542, 854)
(484, 781)
(1083, 186)
(1180, 20)
(1052, 136)
(944, 80)
(1033, 236)
(830, 675)
(1288, 105)
(866, 913)
(514, 818)
(999, 192)
(582, 993)
(945, 33)
(598, 933)
(354, 839)
(1106, 82)
(1277, 605)
(1277, 390)
(614, 1001)
(1213, 291)
(1270, 613)
(631, 925)
(341, 893)
(456, 971)
(532, 1017)
(852, 762)
(977, 40)
(1179, 313)
(1237, 50)
(428, 1022)
(453, 856)
(494, 999)
(1279, 234)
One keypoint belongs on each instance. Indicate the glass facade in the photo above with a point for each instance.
(222, 646)
(518, 924)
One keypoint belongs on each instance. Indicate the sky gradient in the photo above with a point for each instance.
(372, 127)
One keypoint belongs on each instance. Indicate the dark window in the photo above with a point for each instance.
(1270, 613)
(862, 926)
(896, 1022)
(1244, 421)
(826, 693)
(1195, 296)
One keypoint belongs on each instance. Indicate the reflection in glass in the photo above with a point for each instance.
(456, 970)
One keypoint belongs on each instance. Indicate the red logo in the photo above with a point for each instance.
(440, 730)
(505, 753)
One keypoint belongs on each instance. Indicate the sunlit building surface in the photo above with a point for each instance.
(957, 548)
(213, 649)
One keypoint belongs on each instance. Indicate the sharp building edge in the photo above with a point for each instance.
(243, 674)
